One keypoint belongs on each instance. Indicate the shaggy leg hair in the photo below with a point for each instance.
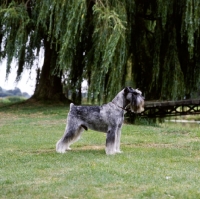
(71, 136)
(118, 136)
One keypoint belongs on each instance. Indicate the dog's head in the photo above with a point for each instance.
(135, 99)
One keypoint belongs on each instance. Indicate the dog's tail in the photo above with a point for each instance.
(71, 105)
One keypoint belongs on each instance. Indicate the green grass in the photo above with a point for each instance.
(161, 161)
(11, 100)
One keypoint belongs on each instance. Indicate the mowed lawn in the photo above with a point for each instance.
(161, 161)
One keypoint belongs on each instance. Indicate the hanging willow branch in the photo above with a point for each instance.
(15, 20)
(109, 47)
(191, 23)
(179, 62)
(75, 22)
(172, 73)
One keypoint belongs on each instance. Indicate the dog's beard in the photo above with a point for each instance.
(137, 106)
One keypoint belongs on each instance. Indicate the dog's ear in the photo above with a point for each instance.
(126, 91)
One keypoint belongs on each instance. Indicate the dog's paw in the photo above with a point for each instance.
(110, 152)
(118, 151)
(60, 151)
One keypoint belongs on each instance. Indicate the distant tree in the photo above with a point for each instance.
(17, 91)
(10, 92)
(153, 45)
(5, 93)
(26, 95)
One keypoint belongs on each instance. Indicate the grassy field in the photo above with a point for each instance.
(161, 161)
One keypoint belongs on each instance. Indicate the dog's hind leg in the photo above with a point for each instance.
(70, 136)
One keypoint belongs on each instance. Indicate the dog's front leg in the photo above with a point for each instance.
(111, 142)
(118, 136)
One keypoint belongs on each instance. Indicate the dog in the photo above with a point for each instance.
(107, 118)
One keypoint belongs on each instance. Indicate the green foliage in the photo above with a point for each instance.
(190, 23)
(175, 69)
(109, 47)
(94, 40)
(172, 73)
(75, 22)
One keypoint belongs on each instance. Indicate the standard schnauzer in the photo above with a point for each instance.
(107, 118)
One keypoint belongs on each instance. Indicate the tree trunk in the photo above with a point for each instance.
(49, 85)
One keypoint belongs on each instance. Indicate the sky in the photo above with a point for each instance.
(28, 77)
(26, 84)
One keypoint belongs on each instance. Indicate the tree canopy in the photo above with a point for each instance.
(153, 45)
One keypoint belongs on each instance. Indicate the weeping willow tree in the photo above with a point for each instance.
(153, 45)
(29, 26)
(24, 32)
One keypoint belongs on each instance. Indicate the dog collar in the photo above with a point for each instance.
(120, 107)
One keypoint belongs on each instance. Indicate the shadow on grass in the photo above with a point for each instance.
(81, 150)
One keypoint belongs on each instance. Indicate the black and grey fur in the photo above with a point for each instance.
(107, 118)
